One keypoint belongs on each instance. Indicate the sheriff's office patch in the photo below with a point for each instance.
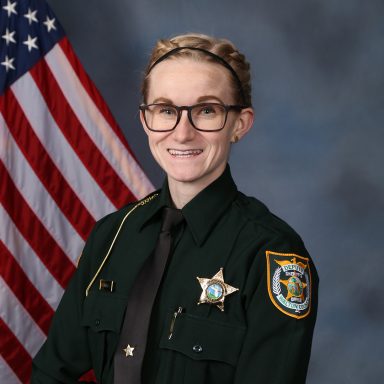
(289, 283)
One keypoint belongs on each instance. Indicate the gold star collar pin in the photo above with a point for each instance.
(128, 351)
(215, 290)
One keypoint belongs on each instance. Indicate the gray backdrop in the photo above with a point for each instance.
(315, 153)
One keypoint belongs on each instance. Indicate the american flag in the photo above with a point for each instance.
(64, 163)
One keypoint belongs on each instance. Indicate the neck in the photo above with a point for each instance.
(182, 192)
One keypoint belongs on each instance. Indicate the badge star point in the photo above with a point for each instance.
(10, 8)
(31, 16)
(9, 37)
(50, 23)
(128, 350)
(30, 43)
(215, 290)
(8, 63)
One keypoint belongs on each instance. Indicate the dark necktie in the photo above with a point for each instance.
(133, 338)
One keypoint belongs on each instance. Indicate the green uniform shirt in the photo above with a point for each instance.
(264, 333)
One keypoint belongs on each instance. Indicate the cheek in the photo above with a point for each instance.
(156, 143)
(154, 147)
(220, 148)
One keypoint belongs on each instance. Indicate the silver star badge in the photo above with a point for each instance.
(215, 290)
(128, 351)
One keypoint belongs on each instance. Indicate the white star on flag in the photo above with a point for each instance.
(10, 8)
(49, 23)
(31, 16)
(30, 43)
(9, 36)
(8, 63)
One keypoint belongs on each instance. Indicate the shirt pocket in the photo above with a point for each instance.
(103, 312)
(211, 348)
(103, 316)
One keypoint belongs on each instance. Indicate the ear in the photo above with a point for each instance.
(243, 124)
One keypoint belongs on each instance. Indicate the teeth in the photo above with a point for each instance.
(185, 153)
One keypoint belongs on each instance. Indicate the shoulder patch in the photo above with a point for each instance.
(289, 283)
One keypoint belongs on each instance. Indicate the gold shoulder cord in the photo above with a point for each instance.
(139, 204)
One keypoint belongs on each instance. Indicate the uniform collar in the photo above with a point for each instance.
(204, 210)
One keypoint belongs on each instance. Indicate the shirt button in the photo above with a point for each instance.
(197, 348)
(97, 322)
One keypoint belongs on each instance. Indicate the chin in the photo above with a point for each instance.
(199, 178)
(184, 177)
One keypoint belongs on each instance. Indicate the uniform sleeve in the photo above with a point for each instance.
(279, 331)
(65, 355)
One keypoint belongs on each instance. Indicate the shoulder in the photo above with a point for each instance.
(262, 222)
(108, 226)
(278, 259)
(114, 219)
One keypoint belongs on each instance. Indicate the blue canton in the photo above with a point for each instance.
(28, 30)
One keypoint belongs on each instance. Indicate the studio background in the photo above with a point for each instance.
(315, 153)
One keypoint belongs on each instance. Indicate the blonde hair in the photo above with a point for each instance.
(219, 47)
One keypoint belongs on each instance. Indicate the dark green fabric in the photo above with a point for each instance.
(250, 342)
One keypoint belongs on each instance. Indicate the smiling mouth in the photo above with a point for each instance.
(184, 153)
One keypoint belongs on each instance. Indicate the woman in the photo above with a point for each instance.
(229, 294)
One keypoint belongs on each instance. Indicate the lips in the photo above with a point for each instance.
(185, 153)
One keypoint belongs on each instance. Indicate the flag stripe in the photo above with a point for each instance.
(14, 353)
(24, 290)
(7, 375)
(100, 129)
(64, 163)
(52, 139)
(88, 86)
(77, 137)
(19, 321)
(37, 197)
(32, 265)
(46, 170)
(34, 231)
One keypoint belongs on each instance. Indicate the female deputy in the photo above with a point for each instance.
(197, 283)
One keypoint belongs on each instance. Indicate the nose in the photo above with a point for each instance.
(184, 131)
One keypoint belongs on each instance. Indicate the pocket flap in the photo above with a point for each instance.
(204, 339)
(103, 312)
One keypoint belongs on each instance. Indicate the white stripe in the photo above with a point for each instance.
(96, 126)
(31, 264)
(37, 196)
(19, 320)
(7, 376)
(62, 154)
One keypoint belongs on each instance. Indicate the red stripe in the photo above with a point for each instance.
(96, 164)
(15, 354)
(33, 230)
(40, 160)
(24, 290)
(93, 92)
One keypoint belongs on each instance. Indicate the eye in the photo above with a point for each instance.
(165, 110)
(207, 109)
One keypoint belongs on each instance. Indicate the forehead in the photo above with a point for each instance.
(179, 79)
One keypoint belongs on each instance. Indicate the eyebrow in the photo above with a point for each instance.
(162, 100)
(210, 97)
(201, 99)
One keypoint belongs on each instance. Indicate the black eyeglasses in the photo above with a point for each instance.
(206, 117)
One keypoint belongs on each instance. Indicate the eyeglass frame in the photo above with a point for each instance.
(188, 108)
